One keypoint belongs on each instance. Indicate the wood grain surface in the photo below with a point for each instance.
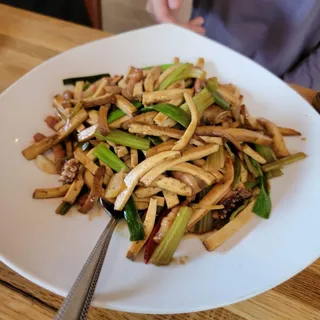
(26, 40)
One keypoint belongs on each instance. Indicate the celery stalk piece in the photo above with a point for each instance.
(212, 86)
(215, 161)
(109, 158)
(184, 71)
(125, 139)
(268, 154)
(253, 166)
(172, 112)
(76, 109)
(63, 208)
(205, 224)
(284, 161)
(237, 171)
(203, 100)
(218, 99)
(164, 252)
(164, 67)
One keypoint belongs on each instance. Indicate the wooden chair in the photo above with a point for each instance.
(94, 11)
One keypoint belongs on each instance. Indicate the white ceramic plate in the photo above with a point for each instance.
(50, 250)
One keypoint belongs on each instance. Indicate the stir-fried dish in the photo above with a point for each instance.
(172, 149)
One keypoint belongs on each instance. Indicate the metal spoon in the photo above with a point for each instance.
(76, 304)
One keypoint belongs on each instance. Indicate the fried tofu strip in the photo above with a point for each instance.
(115, 185)
(48, 193)
(163, 95)
(125, 105)
(146, 192)
(184, 140)
(174, 185)
(289, 132)
(278, 145)
(164, 146)
(253, 154)
(216, 238)
(237, 133)
(102, 119)
(154, 130)
(151, 78)
(134, 160)
(42, 146)
(139, 171)
(171, 199)
(146, 118)
(193, 153)
(214, 195)
(194, 170)
(96, 101)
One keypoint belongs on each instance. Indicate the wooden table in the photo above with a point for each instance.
(27, 39)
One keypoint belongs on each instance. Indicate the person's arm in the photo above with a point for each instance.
(307, 73)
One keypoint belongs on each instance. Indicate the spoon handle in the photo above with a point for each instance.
(76, 304)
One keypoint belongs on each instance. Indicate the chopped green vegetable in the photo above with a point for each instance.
(284, 161)
(267, 153)
(109, 158)
(215, 161)
(63, 208)
(115, 115)
(164, 67)
(251, 184)
(205, 224)
(253, 166)
(231, 154)
(202, 100)
(212, 86)
(237, 172)
(256, 165)
(132, 217)
(172, 112)
(137, 104)
(155, 140)
(89, 79)
(125, 139)
(86, 85)
(238, 210)
(76, 109)
(184, 71)
(118, 113)
(218, 99)
(262, 207)
(165, 250)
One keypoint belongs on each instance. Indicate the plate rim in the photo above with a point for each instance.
(34, 279)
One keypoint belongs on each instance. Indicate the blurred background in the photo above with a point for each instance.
(114, 16)
(123, 15)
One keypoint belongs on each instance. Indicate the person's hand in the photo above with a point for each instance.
(163, 13)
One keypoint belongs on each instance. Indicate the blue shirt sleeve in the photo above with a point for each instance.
(307, 73)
